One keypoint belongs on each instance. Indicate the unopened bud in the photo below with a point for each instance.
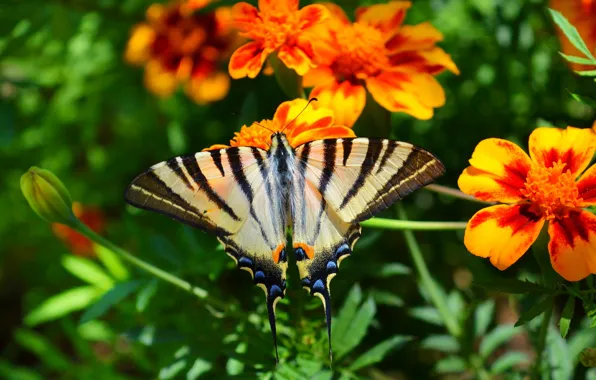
(47, 196)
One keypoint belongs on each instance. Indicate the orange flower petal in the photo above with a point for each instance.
(139, 44)
(320, 75)
(435, 60)
(278, 5)
(573, 146)
(244, 16)
(336, 132)
(337, 13)
(498, 172)
(247, 60)
(158, 80)
(345, 99)
(297, 57)
(414, 37)
(209, 89)
(503, 233)
(586, 187)
(216, 147)
(389, 90)
(572, 245)
(385, 17)
(312, 15)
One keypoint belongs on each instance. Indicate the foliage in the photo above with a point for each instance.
(415, 303)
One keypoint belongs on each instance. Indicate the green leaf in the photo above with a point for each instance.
(87, 271)
(578, 60)
(442, 343)
(287, 79)
(514, 286)
(537, 307)
(109, 299)
(566, 316)
(62, 304)
(393, 269)
(358, 328)
(41, 347)
(571, 33)
(9, 371)
(451, 364)
(483, 316)
(584, 99)
(455, 303)
(494, 339)
(427, 314)
(199, 367)
(97, 331)
(170, 371)
(378, 352)
(508, 360)
(145, 295)
(587, 73)
(112, 262)
(341, 324)
(249, 109)
(387, 298)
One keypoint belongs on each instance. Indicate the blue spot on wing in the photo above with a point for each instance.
(259, 275)
(331, 266)
(245, 261)
(319, 286)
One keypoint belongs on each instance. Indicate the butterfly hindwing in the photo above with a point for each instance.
(227, 192)
(340, 182)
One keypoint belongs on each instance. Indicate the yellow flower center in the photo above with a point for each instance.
(552, 189)
(362, 53)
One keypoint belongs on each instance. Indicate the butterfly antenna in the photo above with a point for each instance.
(262, 126)
(305, 107)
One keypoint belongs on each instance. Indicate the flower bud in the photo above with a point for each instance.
(47, 196)
(588, 357)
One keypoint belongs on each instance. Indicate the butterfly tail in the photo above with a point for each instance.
(271, 311)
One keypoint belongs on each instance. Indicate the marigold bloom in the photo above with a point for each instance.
(537, 188)
(179, 46)
(277, 26)
(312, 124)
(582, 15)
(395, 62)
(78, 244)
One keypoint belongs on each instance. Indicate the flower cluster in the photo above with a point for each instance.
(180, 46)
(542, 187)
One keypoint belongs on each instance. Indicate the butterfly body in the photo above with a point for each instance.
(322, 189)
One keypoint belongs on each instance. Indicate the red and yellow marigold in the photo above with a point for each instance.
(582, 15)
(396, 63)
(277, 26)
(78, 244)
(180, 46)
(299, 127)
(542, 187)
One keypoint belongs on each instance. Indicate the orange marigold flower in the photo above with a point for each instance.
(395, 62)
(537, 188)
(179, 46)
(582, 15)
(312, 124)
(277, 26)
(78, 244)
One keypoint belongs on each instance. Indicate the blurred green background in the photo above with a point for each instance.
(69, 103)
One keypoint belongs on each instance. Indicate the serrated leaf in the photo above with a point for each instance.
(378, 352)
(510, 285)
(584, 99)
(483, 316)
(87, 271)
(145, 295)
(495, 338)
(571, 33)
(109, 299)
(358, 328)
(578, 60)
(42, 348)
(536, 308)
(112, 262)
(451, 364)
(427, 314)
(508, 360)
(566, 316)
(387, 298)
(62, 304)
(442, 343)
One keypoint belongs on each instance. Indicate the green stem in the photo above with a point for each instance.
(454, 193)
(166, 276)
(542, 334)
(428, 282)
(393, 224)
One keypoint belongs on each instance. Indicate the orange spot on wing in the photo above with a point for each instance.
(277, 252)
(309, 250)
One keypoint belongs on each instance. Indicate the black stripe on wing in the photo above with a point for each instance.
(372, 155)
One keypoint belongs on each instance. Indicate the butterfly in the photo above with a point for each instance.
(248, 197)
